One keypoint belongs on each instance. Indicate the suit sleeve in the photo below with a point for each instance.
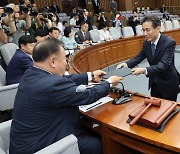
(79, 78)
(26, 63)
(77, 39)
(64, 93)
(165, 61)
(139, 58)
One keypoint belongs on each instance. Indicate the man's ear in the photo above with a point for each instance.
(52, 62)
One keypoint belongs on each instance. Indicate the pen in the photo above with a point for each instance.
(93, 106)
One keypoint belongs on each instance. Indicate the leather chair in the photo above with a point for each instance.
(7, 93)
(95, 35)
(115, 32)
(67, 145)
(127, 31)
(7, 51)
(139, 31)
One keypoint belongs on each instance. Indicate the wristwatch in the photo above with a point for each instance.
(92, 74)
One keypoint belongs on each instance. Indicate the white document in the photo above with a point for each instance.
(99, 102)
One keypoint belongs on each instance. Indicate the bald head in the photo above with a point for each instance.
(45, 49)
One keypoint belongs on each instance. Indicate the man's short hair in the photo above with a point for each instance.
(44, 49)
(53, 28)
(152, 18)
(25, 39)
(41, 33)
(83, 23)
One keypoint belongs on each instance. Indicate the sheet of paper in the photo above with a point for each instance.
(99, 102)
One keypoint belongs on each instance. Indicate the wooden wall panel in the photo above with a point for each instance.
(105, 54)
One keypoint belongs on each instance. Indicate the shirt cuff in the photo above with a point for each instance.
(108, 80)
(146, 72)
(89, 76)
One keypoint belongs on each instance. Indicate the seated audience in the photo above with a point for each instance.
(134, 21)
(83, 35)
(21, 60)
(104, 34)
(41, 35)
(68, 40)
(54, 33)
(74, 21)
(46, 104)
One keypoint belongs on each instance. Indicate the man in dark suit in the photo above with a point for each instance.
(85, 17)
(95, 4)
(21, 60)
(159, 51)
(46, 104)
(83, 35)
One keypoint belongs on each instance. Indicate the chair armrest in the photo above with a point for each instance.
(7, 96)
(67, 145)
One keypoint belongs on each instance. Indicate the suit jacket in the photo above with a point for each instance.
(46, 109)
(79, 37)
(162, 69)
(19, 63)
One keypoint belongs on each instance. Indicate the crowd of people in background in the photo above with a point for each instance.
(24, 20)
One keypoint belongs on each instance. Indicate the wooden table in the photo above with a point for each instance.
(118, 137)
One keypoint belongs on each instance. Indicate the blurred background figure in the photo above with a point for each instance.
(113, 6)
(40, 35)
(117, 22)
(101, 19)
(83, 35)
(134, 21)
(54, 33)
(95, 4)
(104, 34)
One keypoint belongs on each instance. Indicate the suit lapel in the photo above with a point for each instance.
(159, 46)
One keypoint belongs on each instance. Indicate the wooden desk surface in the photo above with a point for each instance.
(114, 117)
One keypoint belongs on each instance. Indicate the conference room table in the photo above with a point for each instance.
(109, 120)
(118, 137)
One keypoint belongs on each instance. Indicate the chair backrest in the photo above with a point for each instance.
(7, 51)
(168, 25)
(139, 30)
(2, 77)
(127, 31)
(115, 32)
(175, 24)
(4, 136)
(162, 27)
(95, 35)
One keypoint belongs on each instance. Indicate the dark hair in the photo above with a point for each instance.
(83, 23)
(44, 49)
(64, 22)
(25, 39)
(152, 18)
(57, 18)
(105, 24)
(53, 28)
(67, 31)
(40, 32)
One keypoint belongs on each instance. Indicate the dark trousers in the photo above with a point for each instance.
(156, 93)
(89, 145)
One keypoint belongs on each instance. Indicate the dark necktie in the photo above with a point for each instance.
(153, 49)
(84, 36)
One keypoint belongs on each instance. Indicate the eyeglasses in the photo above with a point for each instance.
(147, 30)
